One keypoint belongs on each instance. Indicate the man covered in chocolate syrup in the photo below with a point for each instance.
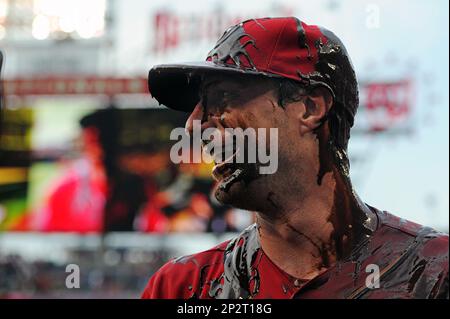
(314, 237)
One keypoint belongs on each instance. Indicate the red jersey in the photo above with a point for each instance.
(412, 262)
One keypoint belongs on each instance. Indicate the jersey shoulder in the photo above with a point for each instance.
(426, 239)
(183, 277)
(423, 255)
(409, 227)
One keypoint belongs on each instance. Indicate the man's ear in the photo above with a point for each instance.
(316, 107)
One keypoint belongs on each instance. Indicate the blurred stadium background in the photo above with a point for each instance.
(85, 176)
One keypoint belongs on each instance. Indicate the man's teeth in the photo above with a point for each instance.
(224, 155)
(221, 171)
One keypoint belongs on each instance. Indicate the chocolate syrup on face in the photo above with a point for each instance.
(245, 173)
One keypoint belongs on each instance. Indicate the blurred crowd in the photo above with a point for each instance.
(114, 273)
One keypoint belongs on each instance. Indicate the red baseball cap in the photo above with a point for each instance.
(274, 47)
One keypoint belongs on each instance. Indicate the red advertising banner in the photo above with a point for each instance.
(387, 104)
(74, 85)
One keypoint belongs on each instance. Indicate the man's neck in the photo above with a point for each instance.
(309, 235)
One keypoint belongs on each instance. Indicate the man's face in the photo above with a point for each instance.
(249, 102)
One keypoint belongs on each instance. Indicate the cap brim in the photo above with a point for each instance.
(176, 85)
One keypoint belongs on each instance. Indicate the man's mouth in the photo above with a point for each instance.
(225, 167)
(230, 165)
(227, 171)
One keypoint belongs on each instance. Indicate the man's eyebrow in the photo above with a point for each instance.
(221, 84)
(207, 84)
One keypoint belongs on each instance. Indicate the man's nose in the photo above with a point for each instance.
(207, 121)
